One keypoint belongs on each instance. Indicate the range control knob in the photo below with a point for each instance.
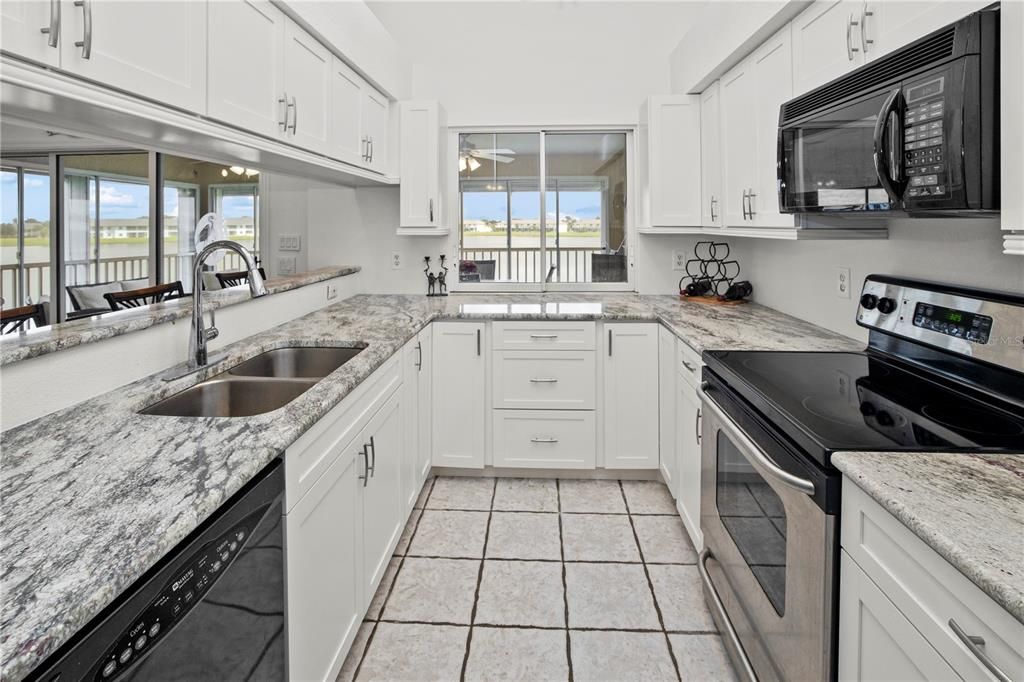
(884, 418)
(886, 305)
(868, 301)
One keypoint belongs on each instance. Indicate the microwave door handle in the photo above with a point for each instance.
(882, 167)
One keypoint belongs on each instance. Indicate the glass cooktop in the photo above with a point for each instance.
(859, 401)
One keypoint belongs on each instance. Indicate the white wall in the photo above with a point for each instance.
(799, 278)
(284, 212)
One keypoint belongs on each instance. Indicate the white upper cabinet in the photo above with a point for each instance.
(347, 140)
(711, 156)
(669, 160)
(147, 48)
(892, 24)
(827, 42)
(375, 110)
(307, 83)
(630, 380)
(773, 86)
(246, 86)
(22, 23)
(423, 126)
(739, 141)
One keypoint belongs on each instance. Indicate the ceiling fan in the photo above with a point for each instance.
(469, 156)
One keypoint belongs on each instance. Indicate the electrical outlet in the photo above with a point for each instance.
(843, 282)
(289, 242)
(286, 265)
(396, 261)
(678, 260)
(332, 291)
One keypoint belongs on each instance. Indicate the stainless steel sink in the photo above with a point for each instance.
(227, 396)
(260, 384)
(296, 362)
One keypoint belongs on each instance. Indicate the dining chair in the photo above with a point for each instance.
(18, 319)
(233, 279)
(135, 298)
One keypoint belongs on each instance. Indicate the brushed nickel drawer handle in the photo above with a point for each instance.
(544, 380)
(975, 644)
(53, 30)
(543, 336)
(688, 366)
(543, 440)
(731, 637)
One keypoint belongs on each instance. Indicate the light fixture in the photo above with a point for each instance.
(237, 170)
(473, 164)
(462, 164)
(224, 172)
(249, 172)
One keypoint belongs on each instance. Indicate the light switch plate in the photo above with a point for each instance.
(289, 242)
(286, 265)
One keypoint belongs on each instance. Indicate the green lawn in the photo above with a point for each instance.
(532, 233)
(43, 241)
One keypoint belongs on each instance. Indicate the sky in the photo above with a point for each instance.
(491, 205)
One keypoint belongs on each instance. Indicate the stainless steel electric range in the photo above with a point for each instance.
(943, 371)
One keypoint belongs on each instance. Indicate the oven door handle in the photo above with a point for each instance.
(723, 617)
(884, 168)
(772, 469)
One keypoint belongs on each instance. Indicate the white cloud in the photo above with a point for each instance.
(110, 196)
(33, 181)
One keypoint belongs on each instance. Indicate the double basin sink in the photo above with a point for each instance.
(260, 384)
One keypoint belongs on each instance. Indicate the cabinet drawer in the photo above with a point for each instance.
(544, 335)
(544, 439)
(308, 457)
(688, 363)
(562, 380)
(928, 590)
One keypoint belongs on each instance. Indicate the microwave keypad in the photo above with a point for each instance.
(923, 149)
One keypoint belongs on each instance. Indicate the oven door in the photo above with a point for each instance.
(769, 559)
(844, 159)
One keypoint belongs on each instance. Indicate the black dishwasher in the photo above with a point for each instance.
(212, 609)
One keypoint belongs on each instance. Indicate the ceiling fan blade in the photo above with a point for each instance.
(493, 157)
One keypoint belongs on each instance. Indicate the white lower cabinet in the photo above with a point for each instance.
(459, 377)
(554, 439)
(322, 554)
(630, 406)
(416, 390)
(542, 380)
(688, 435)
(901, 606)
(666, 410)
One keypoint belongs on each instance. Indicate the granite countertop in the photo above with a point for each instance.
(93, 495)
(36, 342)
(968, 507)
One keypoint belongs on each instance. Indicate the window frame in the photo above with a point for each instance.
(455, 215)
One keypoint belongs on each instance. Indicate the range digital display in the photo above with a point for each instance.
(958, 323)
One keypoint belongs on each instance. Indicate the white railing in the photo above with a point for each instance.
(523, 264)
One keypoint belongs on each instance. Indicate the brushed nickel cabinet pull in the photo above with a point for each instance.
(543, 336)
(864, 40)
(543, 440)
(53, 30)
(974, 644)
(478, 342)
(365, 477)
(86, 42)
(609, 343)
(544, 380)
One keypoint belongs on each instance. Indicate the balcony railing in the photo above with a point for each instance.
(524, 264)
(37, 275)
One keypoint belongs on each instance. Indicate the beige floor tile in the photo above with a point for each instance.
(402, 651)
(601, 497)
(458, 492)
(598, 537)
(434, 591)
(511, 654)
(355, 653)
(403, 542)
(702, 657)
(618, 656)
(377, 603)
(609, 596)
(680, 597)
(648, 497)
(663, 539)
(522, 535)
(453, 534)
(521, 593)
(526, 494)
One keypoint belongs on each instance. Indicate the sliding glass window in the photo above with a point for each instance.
(578, 238)
(24, 232)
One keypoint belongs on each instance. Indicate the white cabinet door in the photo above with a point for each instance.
(324, 603)
(673, 156)
(739, 139)
(347, 141)
(773, 86)
(421, 124)
(631, 396)
(307, 80)
(149, 48)
(375, 108)
(383, 440)
(21, 26)
(411, 424)
(711, 156)
(687, 442)
(894, 23)
(876, 641)
(425, 403)
(459, 395)
(826, 43)
(666, 409)
(246, 86)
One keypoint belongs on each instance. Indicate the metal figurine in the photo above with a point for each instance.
(430, 276)
(441, 275)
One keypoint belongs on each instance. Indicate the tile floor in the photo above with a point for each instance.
(538, 579)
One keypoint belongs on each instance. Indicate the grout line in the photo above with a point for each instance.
(650, 585)
(391, 587)
(479, 580)
(565, 589)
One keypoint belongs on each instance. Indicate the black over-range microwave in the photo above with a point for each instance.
(915, 131)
